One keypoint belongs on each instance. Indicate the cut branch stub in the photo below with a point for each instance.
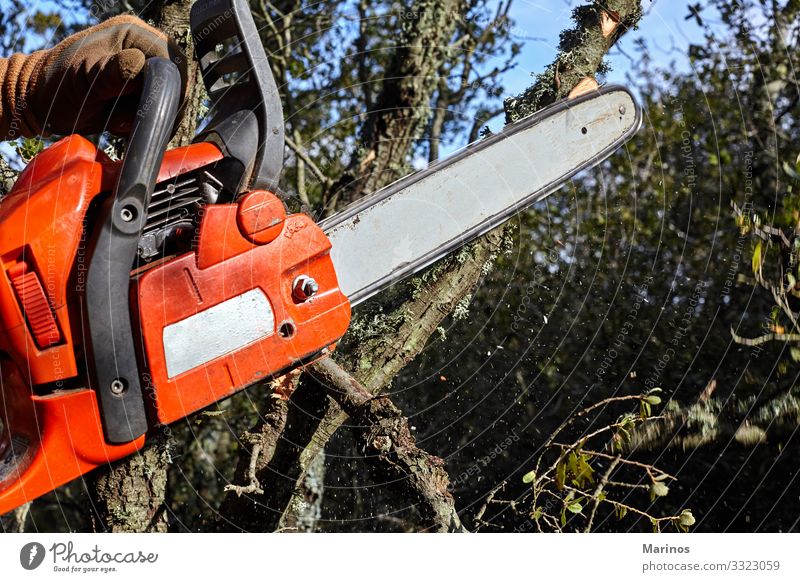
(609, 20)
(586, 85)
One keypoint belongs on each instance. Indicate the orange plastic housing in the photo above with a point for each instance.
(225, 267)
(52, 429)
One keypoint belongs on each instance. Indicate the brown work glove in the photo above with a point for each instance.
(88, 83)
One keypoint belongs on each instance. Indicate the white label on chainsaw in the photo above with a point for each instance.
(219, 330)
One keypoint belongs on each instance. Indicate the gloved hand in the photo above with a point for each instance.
(86, 84)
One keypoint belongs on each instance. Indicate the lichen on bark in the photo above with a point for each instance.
(130, 496)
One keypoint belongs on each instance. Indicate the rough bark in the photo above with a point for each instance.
(8, 177)
(14, 521)
(130, 497)
(391, 451)
(172, 18)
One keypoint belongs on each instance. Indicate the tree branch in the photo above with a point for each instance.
(581, 52)
(391, 450)
(302, 155)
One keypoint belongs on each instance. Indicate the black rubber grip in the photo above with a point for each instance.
(116, 374)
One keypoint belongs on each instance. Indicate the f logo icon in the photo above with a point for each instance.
(31, 555)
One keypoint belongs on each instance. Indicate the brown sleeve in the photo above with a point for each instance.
(16, 73)
(77, 86)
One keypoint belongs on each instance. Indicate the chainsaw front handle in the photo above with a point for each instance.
(113, 250)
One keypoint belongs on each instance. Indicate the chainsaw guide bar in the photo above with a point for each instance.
(421, 218)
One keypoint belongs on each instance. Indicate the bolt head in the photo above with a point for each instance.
(126, 214)
(304, 287)
(117, 386)
(311, 287)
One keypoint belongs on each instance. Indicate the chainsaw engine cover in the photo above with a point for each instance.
(225, 316)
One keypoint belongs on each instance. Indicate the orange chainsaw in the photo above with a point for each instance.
(135, 293)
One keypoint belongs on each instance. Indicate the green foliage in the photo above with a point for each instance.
(757, 259)
(658, 489)
(570, 480)
(27, 148)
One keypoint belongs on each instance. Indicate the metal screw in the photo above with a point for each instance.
(304, 287)
(117, 386)
(622, 110)
(126, 214)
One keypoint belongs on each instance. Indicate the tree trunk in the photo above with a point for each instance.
(130, 497)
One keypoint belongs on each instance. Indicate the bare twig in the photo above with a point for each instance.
(598, 490)
(766, 338)
(301, 153)
(488, 501)
(253, 486)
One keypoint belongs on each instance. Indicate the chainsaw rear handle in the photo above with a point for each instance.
(246, 116)
(113, 353)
